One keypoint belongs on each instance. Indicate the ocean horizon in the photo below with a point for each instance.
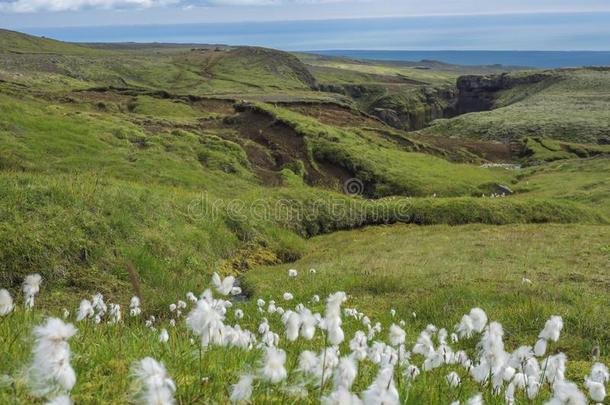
(534, 59)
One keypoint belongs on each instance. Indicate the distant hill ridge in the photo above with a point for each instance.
(17, 42)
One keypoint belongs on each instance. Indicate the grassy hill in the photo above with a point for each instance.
(142, 136)
(16, 42)
(570, 105)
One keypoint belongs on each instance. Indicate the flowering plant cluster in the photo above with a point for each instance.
(527, 373)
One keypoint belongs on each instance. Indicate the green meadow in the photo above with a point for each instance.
(142, 170)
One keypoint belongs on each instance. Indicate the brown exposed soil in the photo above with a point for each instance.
(334, 114)
(491, 151)
(282, 147)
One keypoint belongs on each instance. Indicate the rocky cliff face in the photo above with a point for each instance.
(415, 109)
(478, 93)
(411, 109)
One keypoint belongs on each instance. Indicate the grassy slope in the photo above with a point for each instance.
(574, 107)
(124, 147)
(378, 162)
(584, 181)
(548, 150)
(437, 272)
(423, 269)
(348, 70)
(120, 193)
(16, 42)
(54, 65)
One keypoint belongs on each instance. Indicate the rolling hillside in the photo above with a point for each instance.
(107, 128)
(142, 169)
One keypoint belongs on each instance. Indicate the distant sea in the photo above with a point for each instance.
(538, 59)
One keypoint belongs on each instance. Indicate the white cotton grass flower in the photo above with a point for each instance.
(552, 329)
(540, 347)
(566, 392)
(453, 379)
(287, 296)
(392, 312)
(479, 319)
(341, 396)
(263, 327)
(206, 321)
(424, 345)
(492, 354)
(292, 273)
(134, 306)
(382, 390)
(315, 299)
(554, 367)
(312, 271)
(153, 383)
(518, 381)
(242, 390)
(273, 369)
(328, 359)
(191, 297)
(6, 302)
(599, 373)
(225, 286)
(60, 400)
(51, 371)
(114, 314)
(85, 310)
(411, 372)
(475, 400)
(172, 307)
(596, 380)
(31, 287)
(308, 362)
(332, 318)
(100, 307)
(308, 324)
(163, 336)
(465, 328)
(597, 390)
(475, 321)
(345, 373)
(551, 332)
(293, 325)
(397, 335)
(239, 314)
(359, 345)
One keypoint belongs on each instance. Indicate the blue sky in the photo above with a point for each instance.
(372, 24)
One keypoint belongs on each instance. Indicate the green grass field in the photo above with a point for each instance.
(135, 170)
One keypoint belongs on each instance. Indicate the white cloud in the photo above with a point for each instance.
(30, 6)
(270, 2)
